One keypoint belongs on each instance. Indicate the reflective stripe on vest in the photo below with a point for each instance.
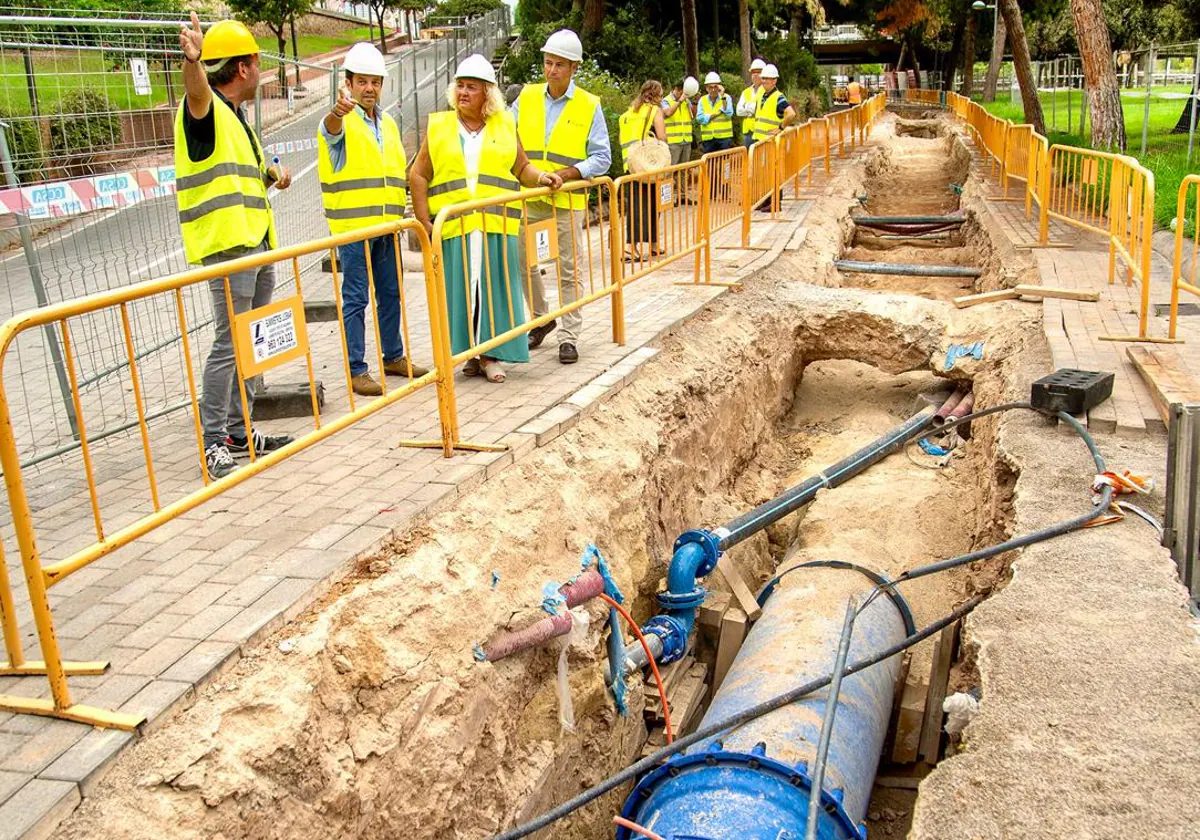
(751, 95)
(719, 127)
(567, 143)
(370, 188)
(632, 127)
(766, 118)
(679, 124)
(222, 199)
(450, 185)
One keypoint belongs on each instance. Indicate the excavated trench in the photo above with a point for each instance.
(376, 720)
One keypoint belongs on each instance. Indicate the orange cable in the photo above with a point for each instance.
(662, 691)
(632, 826)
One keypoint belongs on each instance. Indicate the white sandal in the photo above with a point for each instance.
(492, 371)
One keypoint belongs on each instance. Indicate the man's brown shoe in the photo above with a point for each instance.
(399, 367)
(365, 386)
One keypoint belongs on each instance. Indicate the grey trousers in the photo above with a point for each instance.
(220, 402)
(570, 231)
(680, 153)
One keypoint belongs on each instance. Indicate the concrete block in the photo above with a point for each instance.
(319, 311)
(202, 663)
(287, 399)
(158, 701)
(87, 762)
(34, 811)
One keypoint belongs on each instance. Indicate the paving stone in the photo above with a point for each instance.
(86, 762)
(113, 691)
(199, 598)
(145, 609)
(156, 702)
(39, 750)
(202, 663)
(204, 623)
(154, 630)
(34, 811)
(11, 782)
(248, 591)
(287, 599)
(160, 657)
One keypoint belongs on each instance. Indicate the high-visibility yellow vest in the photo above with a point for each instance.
(719, 126)
(634, 126)
(222, 199)
(679, 124)
(854, 91)
(449, 183)
(567, 144)
(370, 188)
(766, 118)
(750, 95)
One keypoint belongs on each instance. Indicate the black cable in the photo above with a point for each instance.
(766, 707)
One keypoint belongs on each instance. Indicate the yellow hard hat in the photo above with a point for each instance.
(227, 39)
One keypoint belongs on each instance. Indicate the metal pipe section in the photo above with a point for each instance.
(579, 591)
(939, 416)
(768, 513)
(869, 221)
(906, 269)
(753, 783)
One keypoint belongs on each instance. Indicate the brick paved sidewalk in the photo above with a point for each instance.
(1074, 328)
(174, 608)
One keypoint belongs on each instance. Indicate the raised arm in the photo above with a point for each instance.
(195, 81)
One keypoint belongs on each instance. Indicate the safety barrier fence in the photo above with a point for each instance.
(1185, 269)
(1108, 194)
(482, 281)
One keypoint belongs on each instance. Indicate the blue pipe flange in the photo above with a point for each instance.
(672, 633)
(749, 797)
(709, 542)
(682, 600)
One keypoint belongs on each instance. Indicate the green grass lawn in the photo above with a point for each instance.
(310, 45)
(1166, 153)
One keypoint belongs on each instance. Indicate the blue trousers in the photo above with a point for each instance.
(710, 146)
(352, 262)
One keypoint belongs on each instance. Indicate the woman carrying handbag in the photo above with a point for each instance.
(643, 152)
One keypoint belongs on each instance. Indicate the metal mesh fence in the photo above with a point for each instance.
(101, 213)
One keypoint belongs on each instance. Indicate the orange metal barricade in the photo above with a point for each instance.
(268, 337)
(1187, 226)
(762, 186)
(660, 220)
(726, 175)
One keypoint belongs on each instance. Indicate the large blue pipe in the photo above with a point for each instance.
(752, 783)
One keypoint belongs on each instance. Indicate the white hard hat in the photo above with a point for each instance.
(757, 64)
(564, 43)
(690, 86)
(366, 59)
(770, 72)
(476, 67)
(713, 78)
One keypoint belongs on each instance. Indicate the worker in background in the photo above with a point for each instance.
(774, 114)
(715, 115)
(224, 213)
(854, 91)
(677, 111)
(747, 106)
(561, 127)
(362, 168)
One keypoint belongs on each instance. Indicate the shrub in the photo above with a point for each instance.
(443, 12)
(25, 147)
(86, 126)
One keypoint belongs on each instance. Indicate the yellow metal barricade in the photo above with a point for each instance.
(762, 185)
(1016, 155)
(266, 337)
(726, 175)
(661, 219)
(821, 143)
(1185, 268)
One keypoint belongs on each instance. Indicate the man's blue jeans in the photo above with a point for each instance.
(352, 262)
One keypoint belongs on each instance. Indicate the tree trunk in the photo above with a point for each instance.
(1104, 95)
(744, 28)
(797, 24)
(956, 44)
(283, 86)
(691, 38)
(1021, 63)
(968, 67)
(382, 29)
(993, 71)
(593, 17)
(295, 51)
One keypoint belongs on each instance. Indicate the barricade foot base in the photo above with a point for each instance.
(460, 446)
(38, 669)
(78, 713)
(1140, 339)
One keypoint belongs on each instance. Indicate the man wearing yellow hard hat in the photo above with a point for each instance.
(221, 180)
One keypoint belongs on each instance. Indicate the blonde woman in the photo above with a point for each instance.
(472, 151)
(644, 116)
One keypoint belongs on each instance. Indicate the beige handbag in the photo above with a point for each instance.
(648, 154)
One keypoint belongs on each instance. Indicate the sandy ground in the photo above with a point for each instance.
(379, 723)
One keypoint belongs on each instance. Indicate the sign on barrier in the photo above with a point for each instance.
(271, 335)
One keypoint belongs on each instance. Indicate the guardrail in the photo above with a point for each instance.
(467, 313)
(1186, 279)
